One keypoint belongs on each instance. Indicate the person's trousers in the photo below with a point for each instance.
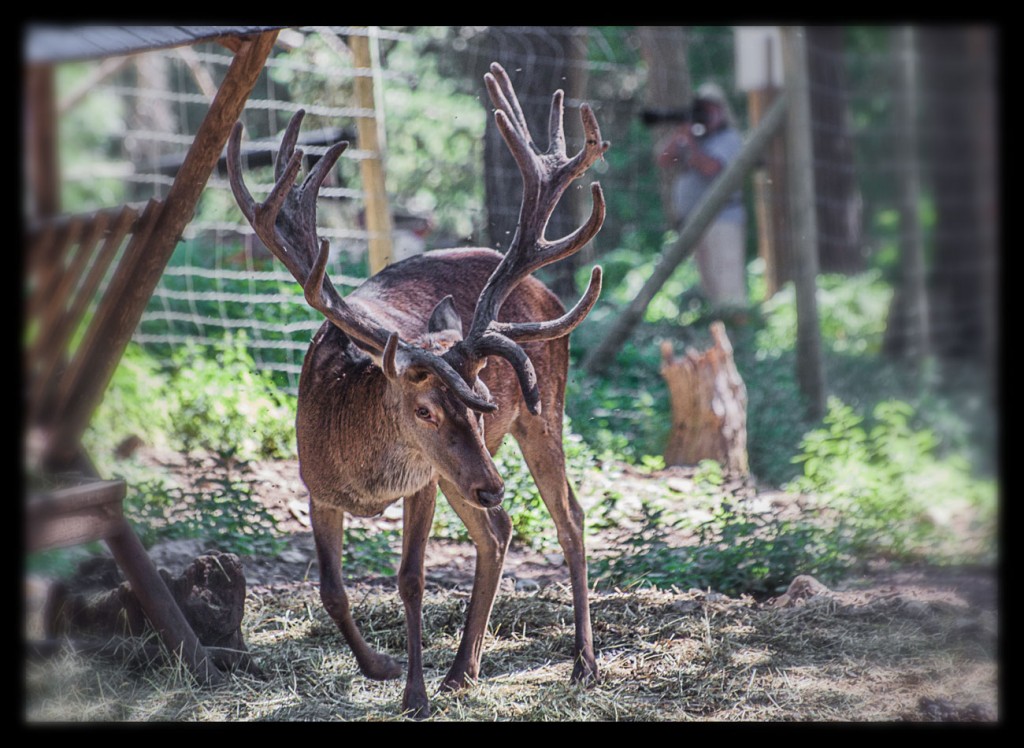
(721, 260)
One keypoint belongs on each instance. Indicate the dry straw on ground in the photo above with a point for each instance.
(874, 655)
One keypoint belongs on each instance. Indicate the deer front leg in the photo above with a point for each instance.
(491, 532)
(328, 534)
(543, 454)
(418, 514)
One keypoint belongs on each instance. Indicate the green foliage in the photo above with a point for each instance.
(87, 136)
(852, 313)
(627, 269)
(372, 551)
(776, 419)
(225, 404)
(435, 133)
(887, 482)
(276, 308)
(210, 402)
(209, 399)
(736, 549)
(220, 508)
(875, 488)
(139, 402)
(621, 416)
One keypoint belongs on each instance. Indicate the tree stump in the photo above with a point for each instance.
(709, 405)
(96, 607)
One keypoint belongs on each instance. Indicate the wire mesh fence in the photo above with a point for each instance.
(450, 181)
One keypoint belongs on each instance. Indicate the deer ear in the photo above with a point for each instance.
(388, 363)
(444, 317)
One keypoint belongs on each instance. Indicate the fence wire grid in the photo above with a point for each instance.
(126, 135)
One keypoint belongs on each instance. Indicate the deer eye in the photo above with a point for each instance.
(422, 413)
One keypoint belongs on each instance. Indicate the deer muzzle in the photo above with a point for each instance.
(489, 499)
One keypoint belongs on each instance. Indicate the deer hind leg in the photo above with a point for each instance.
(328, 534)
(418, 515)
(491, 532)
(541, 445)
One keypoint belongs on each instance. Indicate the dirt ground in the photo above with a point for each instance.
(948, 670)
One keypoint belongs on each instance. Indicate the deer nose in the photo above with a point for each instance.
(489, 499)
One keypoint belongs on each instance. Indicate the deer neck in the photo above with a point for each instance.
(352, 451)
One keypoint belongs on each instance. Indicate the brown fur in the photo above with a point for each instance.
(355, 457)
(382, 417)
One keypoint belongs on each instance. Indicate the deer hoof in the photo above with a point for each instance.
(416, 704)
(456, 681)
(381, 667)
(585, 673)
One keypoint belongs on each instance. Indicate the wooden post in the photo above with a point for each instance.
(709, 405)
(804, 235)
(41, 152)
(768, 181)
(371, 165)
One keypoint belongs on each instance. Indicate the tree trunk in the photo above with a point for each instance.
(663, 49)
(957, 68)
(535, 79)
(838, 199)
(709, 405)
(906, 331)
(803, 223)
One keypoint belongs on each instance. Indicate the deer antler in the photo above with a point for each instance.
(545, 177)
(286, 224)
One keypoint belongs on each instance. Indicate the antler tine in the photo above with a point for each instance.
(503, 96)
(525, 332)
(286, 223)
(556, 123)
(545, 177)
(288, 141)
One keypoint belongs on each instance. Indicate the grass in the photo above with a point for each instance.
(665, 655)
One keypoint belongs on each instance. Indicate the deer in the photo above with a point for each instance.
(416, 376)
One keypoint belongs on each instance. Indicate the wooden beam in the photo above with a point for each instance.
(42, 157)
(803, 220)
(703, 214)
(116, 329)
(73, 515)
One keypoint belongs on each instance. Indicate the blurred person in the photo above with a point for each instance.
(697, 151)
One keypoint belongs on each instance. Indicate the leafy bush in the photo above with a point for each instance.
(372, 551)
(735, 548)
(139, 402)
(210, 399)
(852, 313)
(224, 404)
(223, 512)
(889, 487)
(215, 403)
